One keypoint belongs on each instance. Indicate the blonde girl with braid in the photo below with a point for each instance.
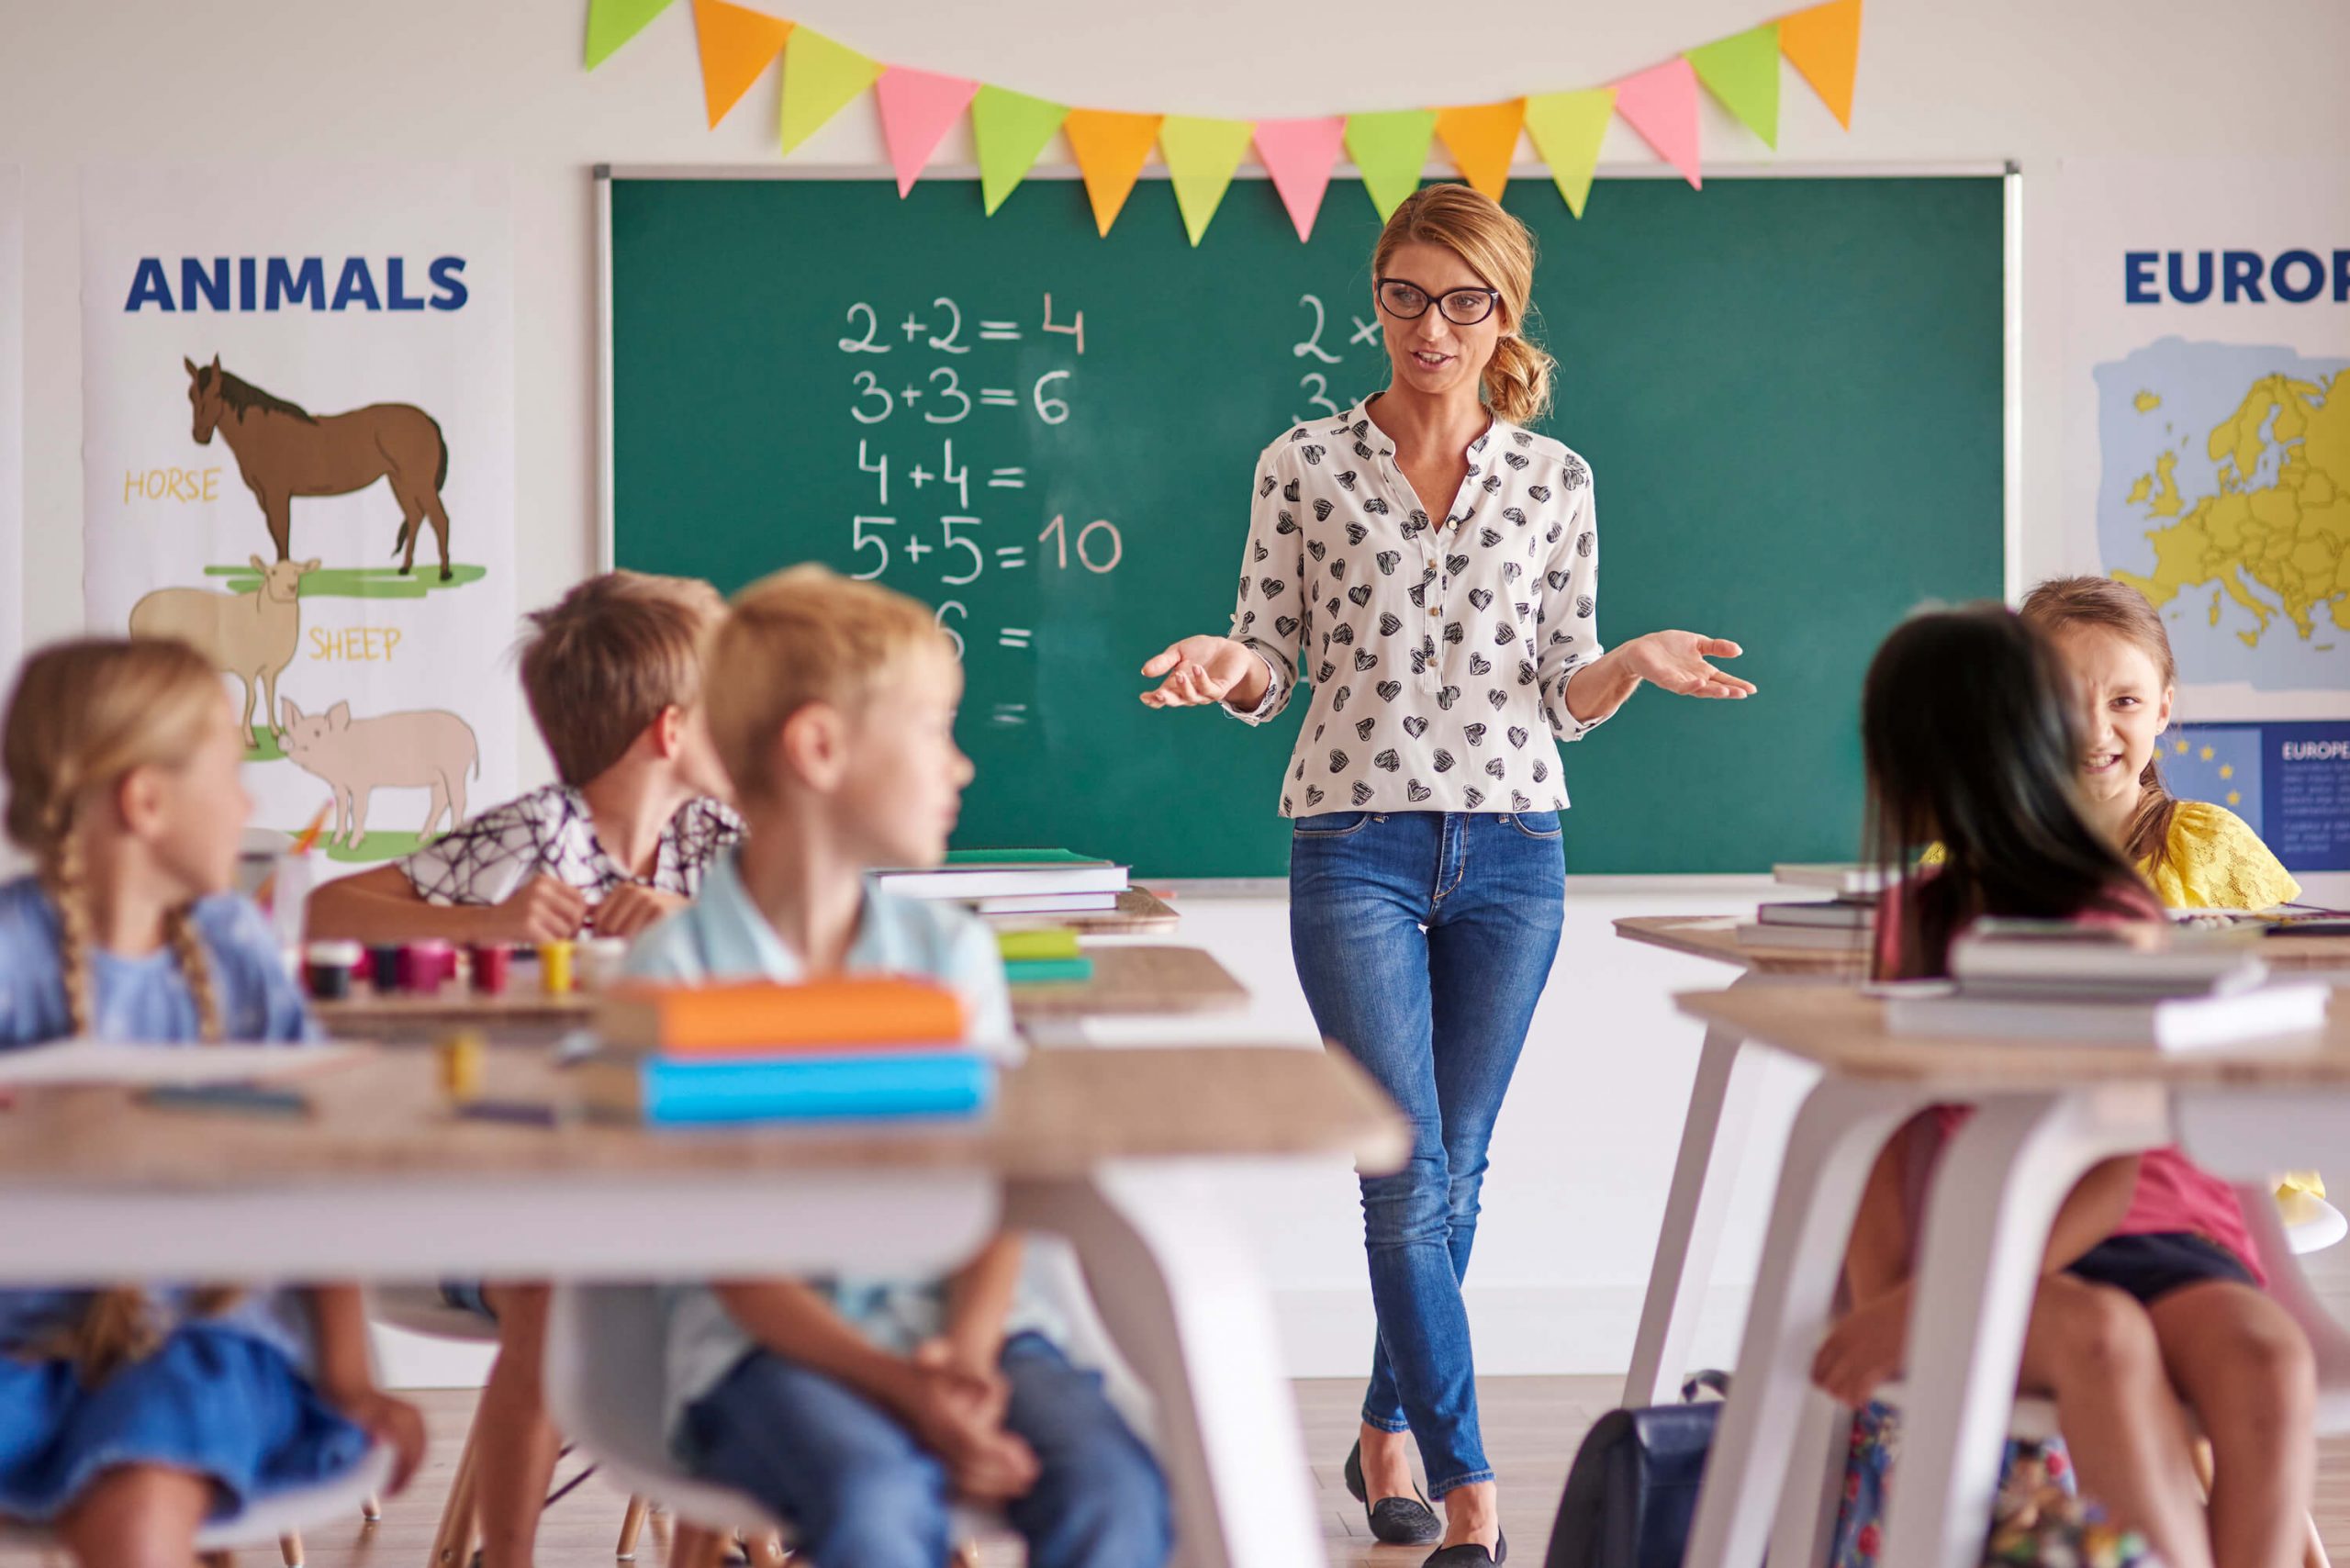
(130, 1414)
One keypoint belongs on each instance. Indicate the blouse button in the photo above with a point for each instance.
(1436, 609)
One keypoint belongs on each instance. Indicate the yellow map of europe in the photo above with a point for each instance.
(2224, 497)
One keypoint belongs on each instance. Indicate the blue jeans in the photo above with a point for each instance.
(864, 1494)
(1423, 940)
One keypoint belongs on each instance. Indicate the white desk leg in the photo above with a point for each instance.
(1186, 1303)
(1814, 1491)
(1721, 1105)
(2001, 1184)
(1835, 1141)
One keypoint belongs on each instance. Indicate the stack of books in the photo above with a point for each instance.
(1843, 923)
(1015, 881)
(2146, 984)
(860, 1048)
(1043, 955)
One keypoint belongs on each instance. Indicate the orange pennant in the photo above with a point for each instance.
(1482, 139)
(737, 45)
(1111, 148)
(1824, 43)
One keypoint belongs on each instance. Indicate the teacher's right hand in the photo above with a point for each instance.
(1208, 669)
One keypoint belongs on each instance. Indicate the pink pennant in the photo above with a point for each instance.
(1661, 103)
(917, 107)
(1298, 155)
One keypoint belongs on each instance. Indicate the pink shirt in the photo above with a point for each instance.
(2173, 1193)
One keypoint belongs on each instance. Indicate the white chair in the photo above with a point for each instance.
(2033, 1419)
(273, 1521)
(420, 1309)
(606, 1363)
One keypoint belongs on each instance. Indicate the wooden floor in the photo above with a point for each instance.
(1532, 1426)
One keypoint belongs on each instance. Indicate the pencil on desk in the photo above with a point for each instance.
(265, 895)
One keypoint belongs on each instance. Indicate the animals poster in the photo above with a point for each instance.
(298, 454)
(12, 423)
(2208, 464)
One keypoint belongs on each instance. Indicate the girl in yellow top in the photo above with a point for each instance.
(2197, 855)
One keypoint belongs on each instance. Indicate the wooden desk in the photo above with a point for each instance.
(1713, 1142)
(2045, 1113)
(1138, 913)
(1132, 980)
(1108, 1149)
(1127, 981)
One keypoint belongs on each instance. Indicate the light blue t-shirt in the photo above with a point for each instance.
(146, 1001)
(725, 937)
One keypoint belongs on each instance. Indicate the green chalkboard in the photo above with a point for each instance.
(1789, 391)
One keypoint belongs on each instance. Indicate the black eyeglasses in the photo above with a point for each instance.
(1462, 307)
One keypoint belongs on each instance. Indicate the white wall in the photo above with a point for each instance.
(1584, 1148)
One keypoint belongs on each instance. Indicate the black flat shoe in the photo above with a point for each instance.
(1469, 1556)
(1394, 1521)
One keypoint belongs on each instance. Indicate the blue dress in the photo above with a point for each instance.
(225, 1395)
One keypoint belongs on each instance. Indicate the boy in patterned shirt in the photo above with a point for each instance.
(613, 675)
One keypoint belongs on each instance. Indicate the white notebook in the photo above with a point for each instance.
(2178, 1024)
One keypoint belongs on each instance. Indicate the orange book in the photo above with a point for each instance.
(756, 1017)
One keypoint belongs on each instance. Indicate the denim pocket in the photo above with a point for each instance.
(1534, 824)
(1330, 824)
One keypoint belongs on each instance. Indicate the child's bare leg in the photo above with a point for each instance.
(2093, 1348)
(2245, 1368)
(516, 1446)
(140, 1516)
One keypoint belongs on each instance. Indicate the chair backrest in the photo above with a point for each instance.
(607, 1370)
(2288, 1286)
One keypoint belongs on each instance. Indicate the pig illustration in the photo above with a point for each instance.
(423, 750)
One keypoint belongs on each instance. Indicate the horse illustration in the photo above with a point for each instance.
(284, 450)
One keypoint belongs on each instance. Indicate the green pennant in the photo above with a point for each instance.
(1008, 129)
(1390, 151)
(611, 23)
(1742, 71)
(1201, 156)
(820, 78)
(1567, 128)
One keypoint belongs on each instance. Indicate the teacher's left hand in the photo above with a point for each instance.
(1675, 661)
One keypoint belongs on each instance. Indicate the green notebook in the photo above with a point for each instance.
(1047, 941)
(1048, 972)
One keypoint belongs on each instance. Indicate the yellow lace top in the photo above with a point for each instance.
(2218, 862)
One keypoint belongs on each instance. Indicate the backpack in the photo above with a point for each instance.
(1633, 1489)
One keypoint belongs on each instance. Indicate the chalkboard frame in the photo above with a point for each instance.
(2008, 170)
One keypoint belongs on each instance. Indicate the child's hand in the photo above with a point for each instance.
(632, 908)
(1865, 1350)
(1002, 1468)
(544, 909)
(394, 1422)
(958, 1414)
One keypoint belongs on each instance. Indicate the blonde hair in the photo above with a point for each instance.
(806, 634)
(604, 661)
(1499, 249)
(86, 714)
(2116, 607)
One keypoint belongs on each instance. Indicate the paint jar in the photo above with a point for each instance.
(384, 968)
(600, 958)
(327, 968)
(463, 1057)
(555, 967)
(493, 965)
(425, 965)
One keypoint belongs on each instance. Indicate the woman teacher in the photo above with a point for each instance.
(1437, 566)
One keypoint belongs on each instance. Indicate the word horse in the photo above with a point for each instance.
(284, 451)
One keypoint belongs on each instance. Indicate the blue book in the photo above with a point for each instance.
(864, 1087)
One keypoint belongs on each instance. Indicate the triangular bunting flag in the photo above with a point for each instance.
(1661, 103)
(1482, 139)
(1567, 128)
(1742, 71)
(1824, 43)
(1298, 155)
(819, 79)
(1201, 155)
(1111, 148)
(916, 108)
(1010, 130)
(736, 46)
(611, 23)
(1391, 149)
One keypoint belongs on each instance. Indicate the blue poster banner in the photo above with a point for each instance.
(2290, 782)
